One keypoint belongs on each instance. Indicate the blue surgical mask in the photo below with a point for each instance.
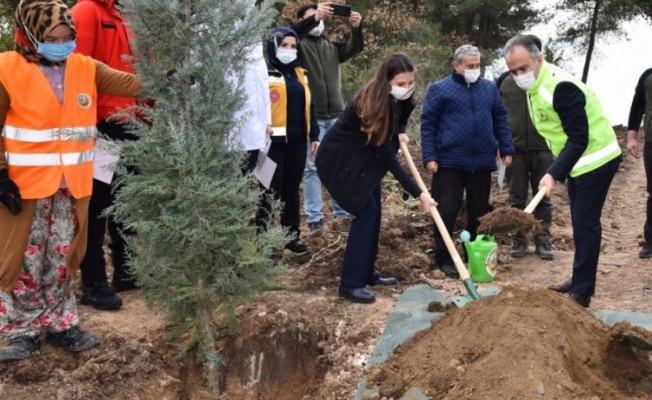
(56, 51)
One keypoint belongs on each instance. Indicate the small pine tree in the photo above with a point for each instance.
(195, 252)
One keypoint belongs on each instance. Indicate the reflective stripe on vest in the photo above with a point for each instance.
(48, 159)
(45, 140)
(47, 135)
(596, 156)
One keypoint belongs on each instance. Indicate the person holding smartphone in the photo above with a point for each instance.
(322, 58)
(352, 160)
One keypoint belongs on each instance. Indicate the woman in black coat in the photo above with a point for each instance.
(352, 159)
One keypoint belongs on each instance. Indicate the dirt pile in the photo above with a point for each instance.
(520, 345)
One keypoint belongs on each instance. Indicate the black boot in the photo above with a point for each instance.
(519, 248)
(20, 348)
(73, 339)
(562, 287)
(101, 297)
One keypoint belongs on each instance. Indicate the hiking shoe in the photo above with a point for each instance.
(101, 297)
(73, 339)
(519, 248)
(544, 250)
(20, 348)
(297, 247)
(646, 251)
(314, 227)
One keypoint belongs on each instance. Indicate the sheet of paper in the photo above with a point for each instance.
(105, 158)
(278, 131)
(501, 177)
(265, 172)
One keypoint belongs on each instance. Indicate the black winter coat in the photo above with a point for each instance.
(352, 169)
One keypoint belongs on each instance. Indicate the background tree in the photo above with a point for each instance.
(195, 253)
(487, 24)
(594, 19)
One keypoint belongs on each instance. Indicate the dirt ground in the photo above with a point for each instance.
(306, 343)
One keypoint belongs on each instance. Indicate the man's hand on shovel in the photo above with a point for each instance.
(549, 183)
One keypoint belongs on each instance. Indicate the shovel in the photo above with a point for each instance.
(459, 265)
(508, 220)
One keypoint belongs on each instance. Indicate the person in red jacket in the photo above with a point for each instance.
(103, 35)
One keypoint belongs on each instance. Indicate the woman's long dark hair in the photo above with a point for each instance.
(375, 104)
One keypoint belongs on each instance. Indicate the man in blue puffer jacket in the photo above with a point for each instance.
(463, 127)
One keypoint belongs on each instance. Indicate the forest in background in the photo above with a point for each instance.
(429, 30)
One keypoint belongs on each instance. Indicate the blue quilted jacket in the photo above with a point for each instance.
(464, 125)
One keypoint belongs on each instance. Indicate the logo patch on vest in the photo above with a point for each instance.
(84, 100)
(274, 96)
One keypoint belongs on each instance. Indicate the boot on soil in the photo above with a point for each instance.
(646, 251)
(73, 339)
(20, 348)
(296, 246)
(519, 248)
(544, 250)
(584, 301)
(101, 297)
(562, 287)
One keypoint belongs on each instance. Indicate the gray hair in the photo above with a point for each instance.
(526, 41)
(464, 50)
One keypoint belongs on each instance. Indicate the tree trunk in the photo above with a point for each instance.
(592, 34)
(212, 371)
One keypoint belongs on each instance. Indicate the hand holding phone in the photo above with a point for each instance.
(341, 10)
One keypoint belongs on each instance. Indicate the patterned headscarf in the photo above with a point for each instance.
(35, 19)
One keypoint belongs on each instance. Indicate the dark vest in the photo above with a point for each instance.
(524, 134)
(647, 121)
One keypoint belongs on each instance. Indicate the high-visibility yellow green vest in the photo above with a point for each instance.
(603, 145)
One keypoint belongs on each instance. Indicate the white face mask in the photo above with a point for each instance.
(318, 30)
(401, 93)
(526, 80)
(286, 56)
(471, 75)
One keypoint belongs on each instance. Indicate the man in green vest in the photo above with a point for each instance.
(587, 155)
(642, 105)
(529, 165)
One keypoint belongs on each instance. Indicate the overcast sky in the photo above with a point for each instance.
(616, 67)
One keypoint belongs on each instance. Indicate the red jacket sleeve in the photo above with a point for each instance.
(87, 21)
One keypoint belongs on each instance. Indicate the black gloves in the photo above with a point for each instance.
(9, 193)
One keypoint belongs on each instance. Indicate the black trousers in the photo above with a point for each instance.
(93, 266)
(448, 187)
(647, 161)
(525, 172)
(362, 245)
(587, 194)
(290, 162)
(250, 161)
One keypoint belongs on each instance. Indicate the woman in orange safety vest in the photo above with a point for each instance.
(48, 110)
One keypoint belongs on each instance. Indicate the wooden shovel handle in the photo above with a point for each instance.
(536, 199)
(459, 264)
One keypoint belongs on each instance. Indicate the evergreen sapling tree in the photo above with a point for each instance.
(195, 253)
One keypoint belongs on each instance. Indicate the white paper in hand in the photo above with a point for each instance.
(105, 158)
(501, 177)
(265, 167)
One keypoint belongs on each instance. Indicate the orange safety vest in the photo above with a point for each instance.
(44, 140)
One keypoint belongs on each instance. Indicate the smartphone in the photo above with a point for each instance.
(341, 10)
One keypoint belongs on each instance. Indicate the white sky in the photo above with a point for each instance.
(616, 65)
